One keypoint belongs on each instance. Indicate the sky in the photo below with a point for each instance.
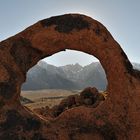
(121, 17)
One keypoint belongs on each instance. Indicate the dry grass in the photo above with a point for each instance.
(49, 97)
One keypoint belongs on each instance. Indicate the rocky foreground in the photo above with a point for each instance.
(89, 97)
(116, 118)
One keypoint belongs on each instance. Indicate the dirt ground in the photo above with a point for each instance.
(48, 97)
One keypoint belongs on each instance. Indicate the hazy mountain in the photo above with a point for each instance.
(90, 75)
(73, 76)
(45, 76)
(136, 66)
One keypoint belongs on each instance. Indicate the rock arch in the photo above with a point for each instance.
(116, 118)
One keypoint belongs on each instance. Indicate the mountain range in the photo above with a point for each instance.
(70, 77)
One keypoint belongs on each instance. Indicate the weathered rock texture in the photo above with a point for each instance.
(118, 117)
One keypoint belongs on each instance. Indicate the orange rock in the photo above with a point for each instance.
(119, 113)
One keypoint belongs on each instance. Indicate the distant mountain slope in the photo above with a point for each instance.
(90, 75)
(136, 66)
(46, 76)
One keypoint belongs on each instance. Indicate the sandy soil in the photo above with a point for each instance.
(48, 97)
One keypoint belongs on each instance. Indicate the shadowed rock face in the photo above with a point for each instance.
(116, 118)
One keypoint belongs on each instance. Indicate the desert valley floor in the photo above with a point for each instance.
(48, 97)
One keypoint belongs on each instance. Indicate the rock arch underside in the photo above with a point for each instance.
(117, 118)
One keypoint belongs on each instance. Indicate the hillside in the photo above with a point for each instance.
(46, 76)
(73, 76)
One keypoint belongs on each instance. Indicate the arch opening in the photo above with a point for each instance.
(64, 84)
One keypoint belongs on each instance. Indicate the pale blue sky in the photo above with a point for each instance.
(121, 17)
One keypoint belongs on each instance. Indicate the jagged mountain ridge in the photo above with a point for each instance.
(72, 76)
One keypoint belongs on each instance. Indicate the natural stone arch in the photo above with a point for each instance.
(77, 32)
